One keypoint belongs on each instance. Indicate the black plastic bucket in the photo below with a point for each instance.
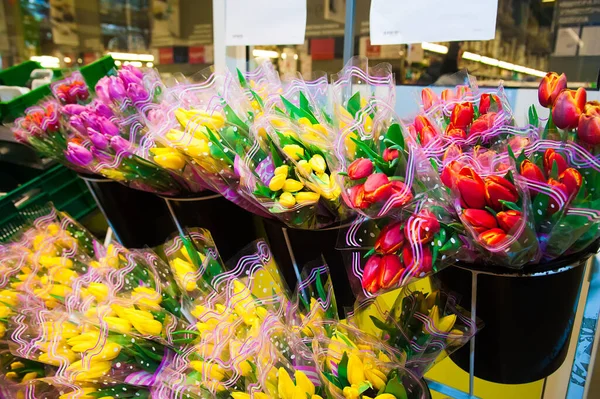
(137, 218)
(295, 246)
(232, 227)
(528, 316)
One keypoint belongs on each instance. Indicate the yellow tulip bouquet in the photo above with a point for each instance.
(17, 374)
(424, 327)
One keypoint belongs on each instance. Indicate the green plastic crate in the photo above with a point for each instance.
(95, 71)
(18, 75)
(59, 185)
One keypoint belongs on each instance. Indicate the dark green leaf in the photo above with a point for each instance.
(533, 116)
(394, 134)
(242, 79)
(232, 118)
(277, 161)
(343, 370)
(510, 205)
(396, 388)
(540, 207)
(354, 104)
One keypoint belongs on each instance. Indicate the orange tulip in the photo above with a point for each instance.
(391, 270)
(390, 239)
(550, 158)
(371, 273)
(485, 103)
(492, 237)
(550, 86)
(572, 180)
(360, 168)
(508, 219)
(480, 219)
(498, 188)
(462, 115)
(588, 128)
(567, 109)
(428, 98)
(471, 188)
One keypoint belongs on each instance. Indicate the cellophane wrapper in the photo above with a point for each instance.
(425, 326)
(354, 363)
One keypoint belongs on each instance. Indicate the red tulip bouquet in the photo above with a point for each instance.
(423, 327)
(71, 90)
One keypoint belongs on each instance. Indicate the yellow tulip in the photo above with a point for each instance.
(356, 371)
(146, 296)
(304, 383)
(368, 123)
(9, 297)
(385, 396)
(172, 160)
(84, 341)
(184, 273)
(293, 151)
(350, 392)
(282, 170)
(58, 357)
(290, 133)
(29, 376)
(4, 311)
(287, 200)
(97, 290)
(208, 370)
(11, 375)
(377, 378)
(144, 324)
(109, 351)
(117, 324)
(292, 185)
(318, 397)
(113, 174)
(277, 182)
(79, 393)
(94, 371)
(317, 163)
(307, 197)
(320, 128)
(383, 357)
(305, 121)
(285, 385)
(16, 365)
(446, 323)
(49, 261)
(2, 330)
(60, 275)
(65, 330)
(240, 395)
(350, 144)
(303, 168)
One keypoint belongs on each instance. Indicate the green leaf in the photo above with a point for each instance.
(277, 161)
(232, 118)
(452, 245)
(510, 205)
(304, 103)
(364, 386)
(333, 379)
(550, 128)
(257, 98)
(512, 154)
(540, 207)
(262, 190)
(354, 104)
(533, 116)
(490, 210)
(242, 79)
(395, 387)
(371, 154)
(381, 324)
(343, 370)
(394, 134)
(298, 113)
(554, 171)
(320, 288)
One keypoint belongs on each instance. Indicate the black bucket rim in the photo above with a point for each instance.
(334, 226)
(193, 198)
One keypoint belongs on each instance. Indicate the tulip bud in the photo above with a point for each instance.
(452, 152)
(422, 122)
(508, 220)
(550, 86)
(531, 171)
(483, 123)
(137, 93)
(360, 168)
(97, 139)
(401, 194)
(102, 109)
(462, 115)
(107, 127)
(568, 107)
(471, 188)
(572, 179)
(390, 239)
(425, 263)
(287, 200)
(102, 90)
(426, 136)
(377, 187)
(455, 132)
(293, 151)
(480, 219)
(450, 173)
(492, 237)
(558, 189)
(498, 188)
(119, 144)
(116, 89)
(588, 128)
(357, 197)
(307, 197)
(78, 154)
(90, 120)
(73, 109)
(550, 158)
(317, 163)
(134, 70)
(391, 270)
(428, 98)
(421, 227)
(485, 103)
(356, 371)
(292, 185)
(371, 272)
(277, 182)
(448, 95)
(77, 123)
(390, 154)
(128, 77)
(282, 170)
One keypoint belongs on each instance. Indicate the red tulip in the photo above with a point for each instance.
(426, 135)
(531, 171)
(428, 98)
(480, 219)
(550, 86)
(391, 271)
(455, 132)
(390, 154)
(401, 195)
(453, 151)
(572, 179)
(426, 262)
(557, 187)
(422, 122)
(360, 168)
(377, 187)
(471, 188)
(448, 95)
(357, 197)
(483, 123)
(492, 237)
(588, 129)
(371, 272)
(551, 157)
(462, 91)
(498, 188)
(390, 239)
(450, 173)
(462, 115)
(421, 227)
(508, 220)
(568, 107)
(486, 101)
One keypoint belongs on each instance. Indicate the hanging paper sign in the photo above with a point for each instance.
(264, 22)
(407, 21)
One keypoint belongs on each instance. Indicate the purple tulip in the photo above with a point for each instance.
(102, 90)
(128, 77)
(98, 139)
(73, 109)
(137, 93)
(119, 144)
(107, 127)
(90, 120)
(77, 123)
(134, 70)
(102, 109)
(78, 154)
(100, 155)
(116, 89)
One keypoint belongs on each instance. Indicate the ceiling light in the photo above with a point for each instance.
(265, 54)
(118, 63)
(132, 57)
(471, 56)
(67, 60)
(283, 56)
(149, 64)
(436, 48)
(489, 61)
(46, 61)
(295, 56)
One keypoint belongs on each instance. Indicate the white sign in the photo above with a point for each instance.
(264, 22)
(410, 21)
